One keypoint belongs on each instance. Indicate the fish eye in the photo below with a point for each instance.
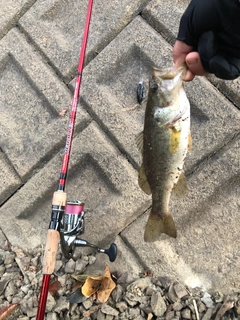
(154, 87)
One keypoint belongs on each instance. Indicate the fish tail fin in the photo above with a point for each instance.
(156, 226)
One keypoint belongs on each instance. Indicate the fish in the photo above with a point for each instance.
(164, 144)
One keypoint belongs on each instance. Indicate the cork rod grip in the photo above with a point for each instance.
(53, 236)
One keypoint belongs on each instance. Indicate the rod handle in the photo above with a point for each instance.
(53, 236)
(51, 250)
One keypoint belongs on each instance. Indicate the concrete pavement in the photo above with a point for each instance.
(39, 49)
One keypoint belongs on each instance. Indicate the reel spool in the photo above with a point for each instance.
(72, 225)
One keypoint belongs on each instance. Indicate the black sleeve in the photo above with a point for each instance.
(204, 15)
(212, 27)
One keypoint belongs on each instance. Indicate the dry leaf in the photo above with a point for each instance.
(82, 277)
(101, 285)
(54, 287)
(19, 252)
(7, 310)
(107, 286)
(63, 112)
(91, 285)
(77, 285)
(87, 313)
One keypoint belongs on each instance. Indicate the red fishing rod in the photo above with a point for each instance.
(59, 197)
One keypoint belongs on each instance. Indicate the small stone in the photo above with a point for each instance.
(62, 304)
(165, 282)
(141, 283)
(158, 304)
(170, 315)
(52, 316)
(133, 313)
(10, 289)
(109, 310)
(201, 307)
(32, 312)
(172, 294)
(218, 297)
(139, 317)
(81, 265)
(208, 314)
(35, 261)
(130, 302)
(100, 315)
(50, 303)
(117, 293)
(121, 306)
(91, 259)
(206, 299)
(9, 258)
(177, 306)
(87, 303)
(186, 313)
(126, 277)
(180, 290)
(149, 291)
(58, 265)
(70, 266)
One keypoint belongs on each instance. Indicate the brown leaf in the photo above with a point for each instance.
(101, 285)
(107, 286)
(77, 285)
(54, 287)
(91, 285)
(63, 112)
(87, 313)
(7, 310)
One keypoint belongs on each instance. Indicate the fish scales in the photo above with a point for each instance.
(164, 145)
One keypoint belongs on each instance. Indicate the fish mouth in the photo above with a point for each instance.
(169, 73)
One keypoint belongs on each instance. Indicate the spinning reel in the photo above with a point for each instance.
(72, 225)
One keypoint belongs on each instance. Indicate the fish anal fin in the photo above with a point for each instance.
(139, 142)
(156, 226)
(142, 181)
(180, 189)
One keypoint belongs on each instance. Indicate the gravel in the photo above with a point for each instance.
(149, 297)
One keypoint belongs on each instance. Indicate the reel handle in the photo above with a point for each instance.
(112, 252)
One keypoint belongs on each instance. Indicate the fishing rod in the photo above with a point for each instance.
(67, 219)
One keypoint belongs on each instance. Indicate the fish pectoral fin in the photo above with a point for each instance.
(139, 141)
(174, 140)
(142, 181)
(156, 226)
(180, 189)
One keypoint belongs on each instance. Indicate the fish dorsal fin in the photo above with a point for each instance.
(139, 141)
(142, 180)
(180, 189)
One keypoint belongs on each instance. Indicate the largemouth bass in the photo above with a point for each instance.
(164, 144)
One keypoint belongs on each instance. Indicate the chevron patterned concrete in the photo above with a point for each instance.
(31, 123)
(120, 67)
(215, 127)
(11, 11)
(57, 28)
(206, 252)
(98, 175)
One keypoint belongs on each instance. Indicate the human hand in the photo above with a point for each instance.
(209, 39)
(183, 53)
